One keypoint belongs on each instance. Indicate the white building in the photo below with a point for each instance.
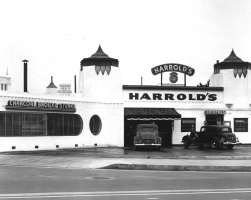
(105, 113)
(5, 83)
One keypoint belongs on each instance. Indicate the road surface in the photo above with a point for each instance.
(52, 183)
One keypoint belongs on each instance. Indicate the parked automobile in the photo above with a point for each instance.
(216, 136)
(147, 135)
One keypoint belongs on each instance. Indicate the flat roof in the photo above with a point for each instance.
(157, 87)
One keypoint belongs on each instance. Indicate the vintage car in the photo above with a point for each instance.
(147, 135)
(216, 136)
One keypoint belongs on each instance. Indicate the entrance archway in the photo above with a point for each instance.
(163, 117)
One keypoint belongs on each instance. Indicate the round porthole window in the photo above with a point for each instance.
(95, 124)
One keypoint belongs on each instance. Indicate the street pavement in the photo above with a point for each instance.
(168, 159)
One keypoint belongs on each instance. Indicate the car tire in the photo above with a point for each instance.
(186, 144)
(215, 143)
(158, 148)
(136, 148)
(230, 146)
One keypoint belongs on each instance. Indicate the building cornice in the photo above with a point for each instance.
(188, 88)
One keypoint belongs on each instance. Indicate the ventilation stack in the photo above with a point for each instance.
(25, 75)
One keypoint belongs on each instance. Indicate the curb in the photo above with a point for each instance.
(177, 167)
(203, 157)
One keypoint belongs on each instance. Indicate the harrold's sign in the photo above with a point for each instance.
(173, 67)
(173, 97)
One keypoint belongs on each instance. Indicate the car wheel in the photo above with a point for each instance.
(230, 146)
(158, 148)
(186, 144)
(215, 143)
(201, 146)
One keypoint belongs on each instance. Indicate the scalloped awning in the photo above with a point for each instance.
(151, 114)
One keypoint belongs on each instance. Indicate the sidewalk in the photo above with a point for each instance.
(83, 159)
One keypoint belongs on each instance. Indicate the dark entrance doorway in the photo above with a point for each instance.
(163, 117)
(214, 119)
(165, 131)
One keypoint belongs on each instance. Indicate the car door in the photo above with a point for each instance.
(202, 135)
(208, 134)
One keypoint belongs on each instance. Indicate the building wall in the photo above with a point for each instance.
(106, 88)
(5, 83)
(190, 107)
(111, 133)
(198, 114)
(236, 89)
(237, 93)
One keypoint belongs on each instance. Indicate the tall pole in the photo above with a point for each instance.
(75, 84)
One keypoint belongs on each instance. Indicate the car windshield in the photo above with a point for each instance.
(146, 129)
(226, 130)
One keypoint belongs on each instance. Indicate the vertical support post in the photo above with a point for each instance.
(161, 78)
(185, 80)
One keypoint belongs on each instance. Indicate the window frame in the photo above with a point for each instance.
(91, 125)
(36, 124)
(236, 128)
(183, 129)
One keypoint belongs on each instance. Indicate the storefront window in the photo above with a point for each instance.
(95, 124)
(10, 124)
(34, 124)
(188, 124)
(240, 124)
(64, 124)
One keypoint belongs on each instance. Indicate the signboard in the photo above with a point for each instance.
(172, 96)
(41, 106)
(173, 67)
(65, 89)
(215, 112)
(166, 112)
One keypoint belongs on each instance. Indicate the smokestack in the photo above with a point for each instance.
(75, 84)
(25, 75)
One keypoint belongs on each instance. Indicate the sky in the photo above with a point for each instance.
(55, 35)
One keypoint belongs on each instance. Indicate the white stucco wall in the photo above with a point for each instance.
(111, 133)
(188, 108)
(237, 93)
(198, 114)
(105, 88)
